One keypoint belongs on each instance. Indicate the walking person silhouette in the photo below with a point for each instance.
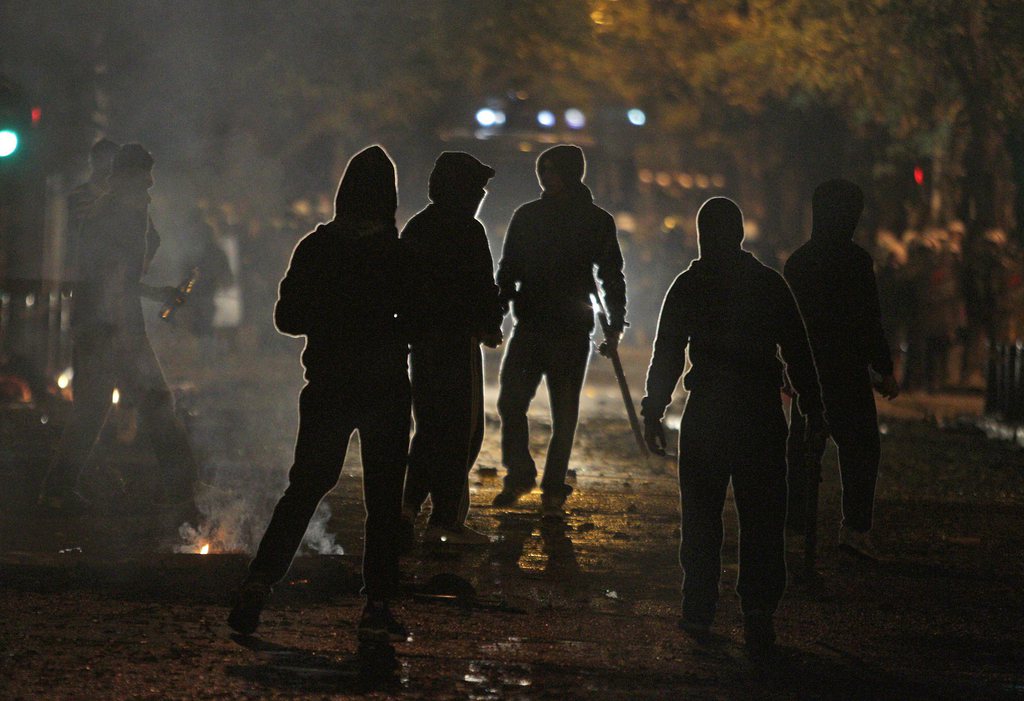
(343, 292)
(735, 315)
(834, 283)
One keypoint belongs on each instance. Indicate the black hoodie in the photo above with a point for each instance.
(735, 314)
(551, 249)
(833, 280)
(343, 288)
(451, 272)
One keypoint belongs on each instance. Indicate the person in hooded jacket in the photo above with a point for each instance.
(833, 280)
(735, 315)
(547, 267)
(343, 293)
(111, 349)
(454, 308)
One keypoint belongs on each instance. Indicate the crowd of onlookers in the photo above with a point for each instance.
(946, 297)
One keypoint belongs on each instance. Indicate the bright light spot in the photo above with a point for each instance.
(115, 396)
(636, 117)
(64, 379)
(718, 180)
(30, 300)
(525, 146)
(919, 175)
(8, 142)
(205, 550)
(486, 117)
(645, 176)
(664, 179)
(702, 181)
(686, 180)
(625, 221)
(37, 114)
(546, 118)
(575, 119)
(499, 117)
(44, 419)
(670, 223)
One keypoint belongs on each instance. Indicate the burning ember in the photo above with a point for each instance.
(205, 550)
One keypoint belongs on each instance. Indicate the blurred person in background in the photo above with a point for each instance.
(111, 348)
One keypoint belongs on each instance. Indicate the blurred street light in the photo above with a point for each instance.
(575, 119)
(636, 117)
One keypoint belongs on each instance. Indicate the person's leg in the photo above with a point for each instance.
(854, 425)
(443, 399)
(384, 439)
(324, 431)
(565, 370)
(796, 462)
(759, 487)
(477, 424)
(94, 384)
(702, 487)
(520, 376)
(145, 381)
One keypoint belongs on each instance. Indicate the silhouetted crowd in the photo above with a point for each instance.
(394, 322)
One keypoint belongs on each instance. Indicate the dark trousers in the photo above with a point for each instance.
(448, 404)
(725, 435)
(103, 361)
(853, 426)
(329, 411)
(562, 360)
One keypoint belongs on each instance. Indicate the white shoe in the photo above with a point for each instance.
(460, 535)
(858, 543)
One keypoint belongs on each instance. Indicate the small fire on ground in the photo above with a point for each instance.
(205, 549)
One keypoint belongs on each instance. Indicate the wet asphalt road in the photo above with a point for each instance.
(586, 610)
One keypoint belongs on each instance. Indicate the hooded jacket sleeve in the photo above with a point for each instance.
(669, 356)
(489, 308)
(796, 352)
(609, 272)
(295, 313)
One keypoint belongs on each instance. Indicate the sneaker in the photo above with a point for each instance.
(552, 503)
(460, 535)
(378, 625)
(510, 494)
(759, 633)
(248, 604)
(858, 543)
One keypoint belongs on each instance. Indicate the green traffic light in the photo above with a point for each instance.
(8, 142)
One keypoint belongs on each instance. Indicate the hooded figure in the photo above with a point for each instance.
(343, 293)
(455, 308)
(833, 280)
(111, 348)
(735, 315)
(551, 249)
